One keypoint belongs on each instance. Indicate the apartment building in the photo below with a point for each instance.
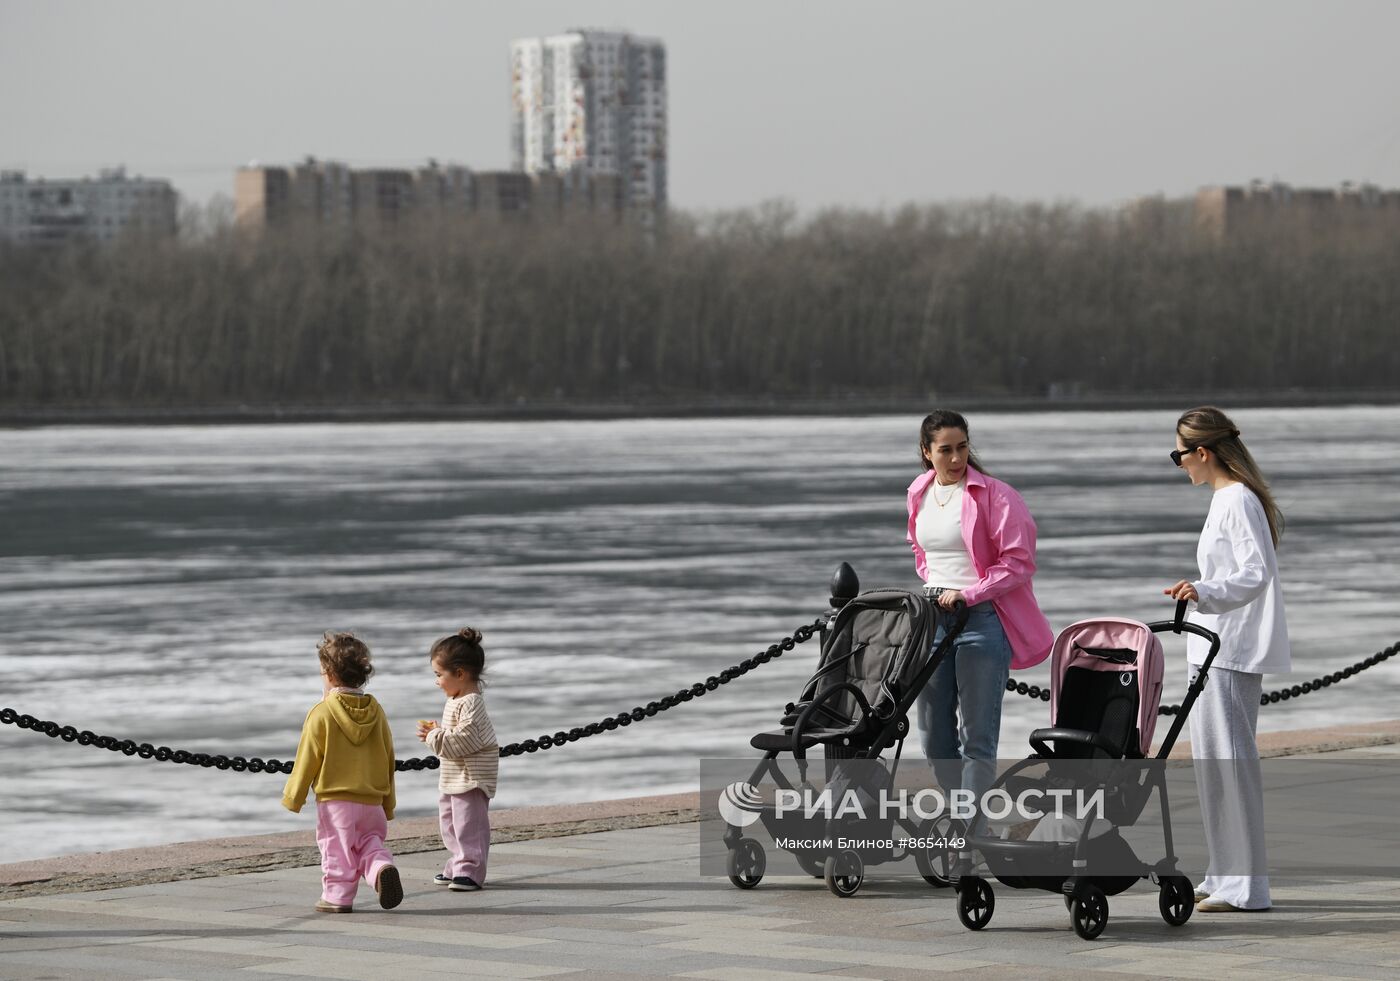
(328, 194)
(592, 104)
(1221, 212)
(104, 208)
(444, 190)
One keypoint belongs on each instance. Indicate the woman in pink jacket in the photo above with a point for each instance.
(973, 540)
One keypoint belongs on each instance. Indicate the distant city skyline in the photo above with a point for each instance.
(822, 103)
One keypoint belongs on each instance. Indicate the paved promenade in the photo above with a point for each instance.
(587, 903)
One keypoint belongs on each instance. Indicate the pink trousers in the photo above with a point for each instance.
(466, 833)
(351, 837)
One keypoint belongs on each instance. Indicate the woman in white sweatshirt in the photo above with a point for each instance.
(1239, 597)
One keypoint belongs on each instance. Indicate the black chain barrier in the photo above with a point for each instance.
(1268, 698)
(253, 764)
(801, 635)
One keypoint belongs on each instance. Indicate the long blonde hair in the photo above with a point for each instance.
(1212, 429)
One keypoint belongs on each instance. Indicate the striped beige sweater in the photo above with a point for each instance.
(465, 742)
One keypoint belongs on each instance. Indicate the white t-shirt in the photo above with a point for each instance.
(1240, 595)
(938, 530)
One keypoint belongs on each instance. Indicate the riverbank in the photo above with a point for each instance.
(20, 417)
(261, 853)
(631, 902)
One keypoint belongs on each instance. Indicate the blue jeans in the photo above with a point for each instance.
(971, 678)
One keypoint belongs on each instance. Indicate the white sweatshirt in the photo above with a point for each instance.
(1240, 595)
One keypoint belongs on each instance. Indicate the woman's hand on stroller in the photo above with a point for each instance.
(1183, 590)
(948, 597)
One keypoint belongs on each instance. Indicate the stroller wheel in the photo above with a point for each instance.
(933, 866)
(976, 902)
(844, 872)
(1089, 912)
(747, 863)
(1175, 899)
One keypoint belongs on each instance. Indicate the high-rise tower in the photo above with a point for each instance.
(592, 104)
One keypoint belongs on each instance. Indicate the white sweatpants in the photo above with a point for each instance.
(1223, 723)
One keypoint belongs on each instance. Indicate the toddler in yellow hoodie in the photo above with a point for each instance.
(346, 755)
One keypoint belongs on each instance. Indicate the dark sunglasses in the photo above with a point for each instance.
(1176, 455)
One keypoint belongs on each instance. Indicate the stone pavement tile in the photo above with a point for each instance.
(294, 930)
(684, 962)
(173, 956)
(449, 948)
(228, 903)
(751, 974)
(1337, 969)
(117, 964)
(737, 921)
(609, 935)
(815, 956)
(1181, 962)
(740, 939)
(102, 930)
(46, 940)
(610, 975)
(354, 960)
(617, 924)
(357, 972)
(629, 960)
(825, 937)
(388, 926)
(62, 929)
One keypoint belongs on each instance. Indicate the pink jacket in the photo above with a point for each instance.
(999, 533)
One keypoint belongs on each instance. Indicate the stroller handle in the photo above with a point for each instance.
(959, 610)
(1180, 625)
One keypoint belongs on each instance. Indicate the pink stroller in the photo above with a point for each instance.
(1105, 686)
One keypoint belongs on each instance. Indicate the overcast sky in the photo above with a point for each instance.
(824, 103)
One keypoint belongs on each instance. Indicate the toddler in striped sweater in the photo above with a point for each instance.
(465, 743)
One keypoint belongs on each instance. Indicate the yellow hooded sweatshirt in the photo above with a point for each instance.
(345, 753)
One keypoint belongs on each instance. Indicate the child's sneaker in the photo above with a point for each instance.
(322, 906)
(442, 880)
(463, 883)
(389, 887)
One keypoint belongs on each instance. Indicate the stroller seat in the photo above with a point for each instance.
(780, 740)
(1105, 682)
(870, 668)
(1097, 719)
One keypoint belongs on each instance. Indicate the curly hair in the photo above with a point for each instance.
(460, 652)
(345, 658)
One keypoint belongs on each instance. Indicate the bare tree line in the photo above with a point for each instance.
(983, 299)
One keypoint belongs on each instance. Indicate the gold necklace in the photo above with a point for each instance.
(944, 503)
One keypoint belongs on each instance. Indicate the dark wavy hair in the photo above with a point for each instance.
(945, 419)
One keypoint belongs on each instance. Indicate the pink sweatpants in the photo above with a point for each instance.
(351, 837)
(466, 833)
